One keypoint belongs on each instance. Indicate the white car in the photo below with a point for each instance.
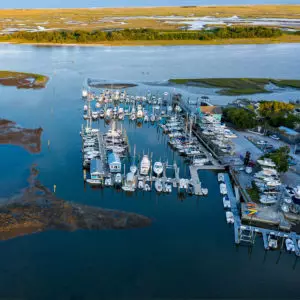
(275, 137)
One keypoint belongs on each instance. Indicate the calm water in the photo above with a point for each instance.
(188, 252)
(126, 3)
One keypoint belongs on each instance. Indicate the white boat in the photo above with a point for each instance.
(94, 181)
(221, 177)
(266, 162)
(85, 107)
(118, 180)
(272, 241)
(158, 168)
(132, 116)
(200, 161)
(248, 170)
(141, 184)
(130, 183)
(204, 191)
(223, 189)
(296, 196)
(84, 93)
(226, 202)
(140, 114)
(158, 186)
(229, 217)
(108, 181)
(182, 185)
(152, 118)
(289, 244)
(168, 188)
(147, 187)
(133, 169)
(146, 118)
(145, 165)
(267, 199)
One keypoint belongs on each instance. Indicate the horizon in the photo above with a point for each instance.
(52, 4)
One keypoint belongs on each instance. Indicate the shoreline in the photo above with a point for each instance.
(286, 39)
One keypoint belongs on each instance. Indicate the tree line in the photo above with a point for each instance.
(80, 36)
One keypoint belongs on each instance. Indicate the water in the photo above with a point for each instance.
(132, 3)
(188, 251)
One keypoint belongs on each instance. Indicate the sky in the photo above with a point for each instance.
(124, 3)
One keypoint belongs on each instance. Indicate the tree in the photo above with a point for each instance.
(281, 158)
(240, 117)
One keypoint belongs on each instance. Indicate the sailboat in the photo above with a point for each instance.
(158, 168)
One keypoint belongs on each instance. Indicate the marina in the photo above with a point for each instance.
(187, 233)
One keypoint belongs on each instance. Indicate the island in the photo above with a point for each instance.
(238, 86)
(13, 134)
(37, 209)
(23, 80)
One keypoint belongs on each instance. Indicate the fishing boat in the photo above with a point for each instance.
(158, 168)
(114, 162)
(158, 186)
(229, 217)
(223, 189)
(145, 165)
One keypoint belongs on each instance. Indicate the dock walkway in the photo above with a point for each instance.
(196, 180)
(239, 227)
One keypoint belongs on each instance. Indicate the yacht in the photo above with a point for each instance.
(141, 184)
(145, 165)
(147, 187)
(133, 169)
(108, 181)
(158, 168)
(94, 181)
(168, 188)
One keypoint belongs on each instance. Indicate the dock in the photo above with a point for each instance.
(247, 233)
(196, 180)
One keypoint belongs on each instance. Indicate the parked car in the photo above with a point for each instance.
(274, 137)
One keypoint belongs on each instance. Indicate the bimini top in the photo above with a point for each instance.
(113, 158)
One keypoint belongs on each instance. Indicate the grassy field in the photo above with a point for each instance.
(238, 86)
(89, 19)
(23, 80)
(285, 38)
